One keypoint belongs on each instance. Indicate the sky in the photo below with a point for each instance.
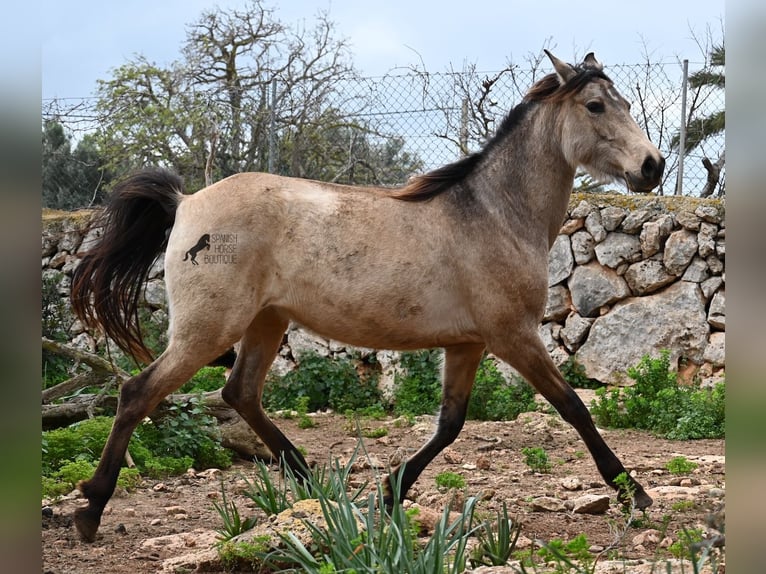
(82, 41)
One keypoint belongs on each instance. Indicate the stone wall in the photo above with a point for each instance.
(628, 276)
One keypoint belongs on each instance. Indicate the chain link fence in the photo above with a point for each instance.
(442, 116)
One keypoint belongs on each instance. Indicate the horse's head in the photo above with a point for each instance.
(597, 130)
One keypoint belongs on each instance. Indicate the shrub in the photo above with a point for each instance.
(205, 380)
(417, 387)
(326, 383)
(657, 403)
(495, 399)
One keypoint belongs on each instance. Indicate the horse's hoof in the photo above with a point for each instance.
(642, 500)
(86, 522)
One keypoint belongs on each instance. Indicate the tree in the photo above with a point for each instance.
(250, 94)
(71, 179)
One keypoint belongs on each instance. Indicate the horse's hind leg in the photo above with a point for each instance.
(244, 389)
(534, 363)
(460, 364)
(138, 397)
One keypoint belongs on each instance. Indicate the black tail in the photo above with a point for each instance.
(108, 281)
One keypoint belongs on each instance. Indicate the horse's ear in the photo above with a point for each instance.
(590, 61)
(564, 71)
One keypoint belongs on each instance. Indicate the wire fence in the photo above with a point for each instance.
(442, 116)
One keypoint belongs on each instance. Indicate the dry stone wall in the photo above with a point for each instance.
(628, 276)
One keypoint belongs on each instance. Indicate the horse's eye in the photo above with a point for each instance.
(595, 107)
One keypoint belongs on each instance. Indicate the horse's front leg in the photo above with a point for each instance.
(530, 358)
(460, 364)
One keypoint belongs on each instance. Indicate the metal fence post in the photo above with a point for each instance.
(464, 128)
(273, 127)
(682, 132)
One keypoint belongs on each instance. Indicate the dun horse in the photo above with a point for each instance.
(455, 259)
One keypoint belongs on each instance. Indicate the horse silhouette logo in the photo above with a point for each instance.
(203, 243)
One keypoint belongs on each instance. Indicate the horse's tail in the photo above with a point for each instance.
(108, 281)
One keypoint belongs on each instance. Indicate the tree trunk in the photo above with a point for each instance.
(713, 175)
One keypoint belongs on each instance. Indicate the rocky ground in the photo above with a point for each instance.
(145, 530)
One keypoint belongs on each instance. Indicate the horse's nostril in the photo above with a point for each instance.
(652, 169)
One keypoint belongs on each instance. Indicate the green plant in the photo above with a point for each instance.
(417, 386)
(447, 480)
(537, 459)
(375, 432)
(244, 556)
(205, 380)
(682, 505)
(574, 374)
(233, 524)
(687, 538)
(680, 465)
(495, 399)
(362, 539)
(496, 544)
(657, 403)
(325, 383)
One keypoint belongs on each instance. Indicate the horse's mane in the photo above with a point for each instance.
(431, 184)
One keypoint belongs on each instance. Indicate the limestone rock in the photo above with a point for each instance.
(715, 351)
(595, 226)
(618, 249)
(647, 276)
(593, 286)
(611, 217)
(583, 247)
(559, 303)
(575, 330)
(560, 260)
(680, 247)
(591, 504)
(717, 313)
(673, 319)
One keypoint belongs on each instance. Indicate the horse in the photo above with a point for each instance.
(456, 258)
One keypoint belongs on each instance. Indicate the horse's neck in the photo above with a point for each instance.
(527, 172)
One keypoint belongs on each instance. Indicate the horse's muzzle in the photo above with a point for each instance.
(648, 178)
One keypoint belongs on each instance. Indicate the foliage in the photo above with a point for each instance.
(250, 93)
(232, 521)
(364, 539)
(170, 446)
(242, 555)
(417, 386)
(447, 480)
(325, 383)
(71, 179)
(536, 459)
(656, 402)
(680, 465)
(495, 399)
(574, 374)
(495, 545)
(205, 380)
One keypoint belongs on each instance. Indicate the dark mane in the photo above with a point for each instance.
(431, 184)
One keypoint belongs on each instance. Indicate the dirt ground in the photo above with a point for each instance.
(487, 454)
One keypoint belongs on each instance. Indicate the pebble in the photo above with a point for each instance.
(156, 522)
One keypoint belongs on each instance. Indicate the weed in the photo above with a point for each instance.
(536, 459)
(680, 465)
(233, 524)
(244, 555)
(447, 480)
(495, 546)
(574, 374)
(682, 505)
(375, 433)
